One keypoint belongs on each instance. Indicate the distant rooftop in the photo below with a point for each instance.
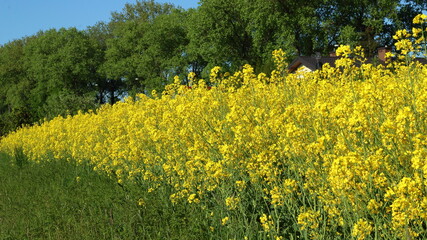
(313, 63)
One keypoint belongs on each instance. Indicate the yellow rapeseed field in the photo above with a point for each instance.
(340, 152)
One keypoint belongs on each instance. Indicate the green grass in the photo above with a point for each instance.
(46, 201)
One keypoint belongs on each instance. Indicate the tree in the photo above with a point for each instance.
(285, 24)
(217, 32)
(164, 57)
(14, 100)
(232, 33)
(369, 22)
(109, 89)
(147, 46)
(61, 62)
(406, 11)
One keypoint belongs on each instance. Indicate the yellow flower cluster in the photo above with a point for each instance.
(232, 202)
(361, 229)
(420, 18)
(330, 149)
(406, 46)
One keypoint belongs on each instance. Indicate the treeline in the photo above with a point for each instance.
(145, 45)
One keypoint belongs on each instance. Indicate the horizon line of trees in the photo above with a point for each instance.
(143, 46)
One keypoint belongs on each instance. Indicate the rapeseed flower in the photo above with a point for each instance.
(309, 151)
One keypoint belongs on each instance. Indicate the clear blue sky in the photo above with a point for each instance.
(20, 18)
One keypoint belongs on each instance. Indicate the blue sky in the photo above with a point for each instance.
(20, 18)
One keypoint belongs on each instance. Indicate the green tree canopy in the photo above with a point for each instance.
(147, 45)
(231, 33)
(60, 62)
(15, 85)
(108, 89)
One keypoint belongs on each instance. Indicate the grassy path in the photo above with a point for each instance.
(59, 200)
